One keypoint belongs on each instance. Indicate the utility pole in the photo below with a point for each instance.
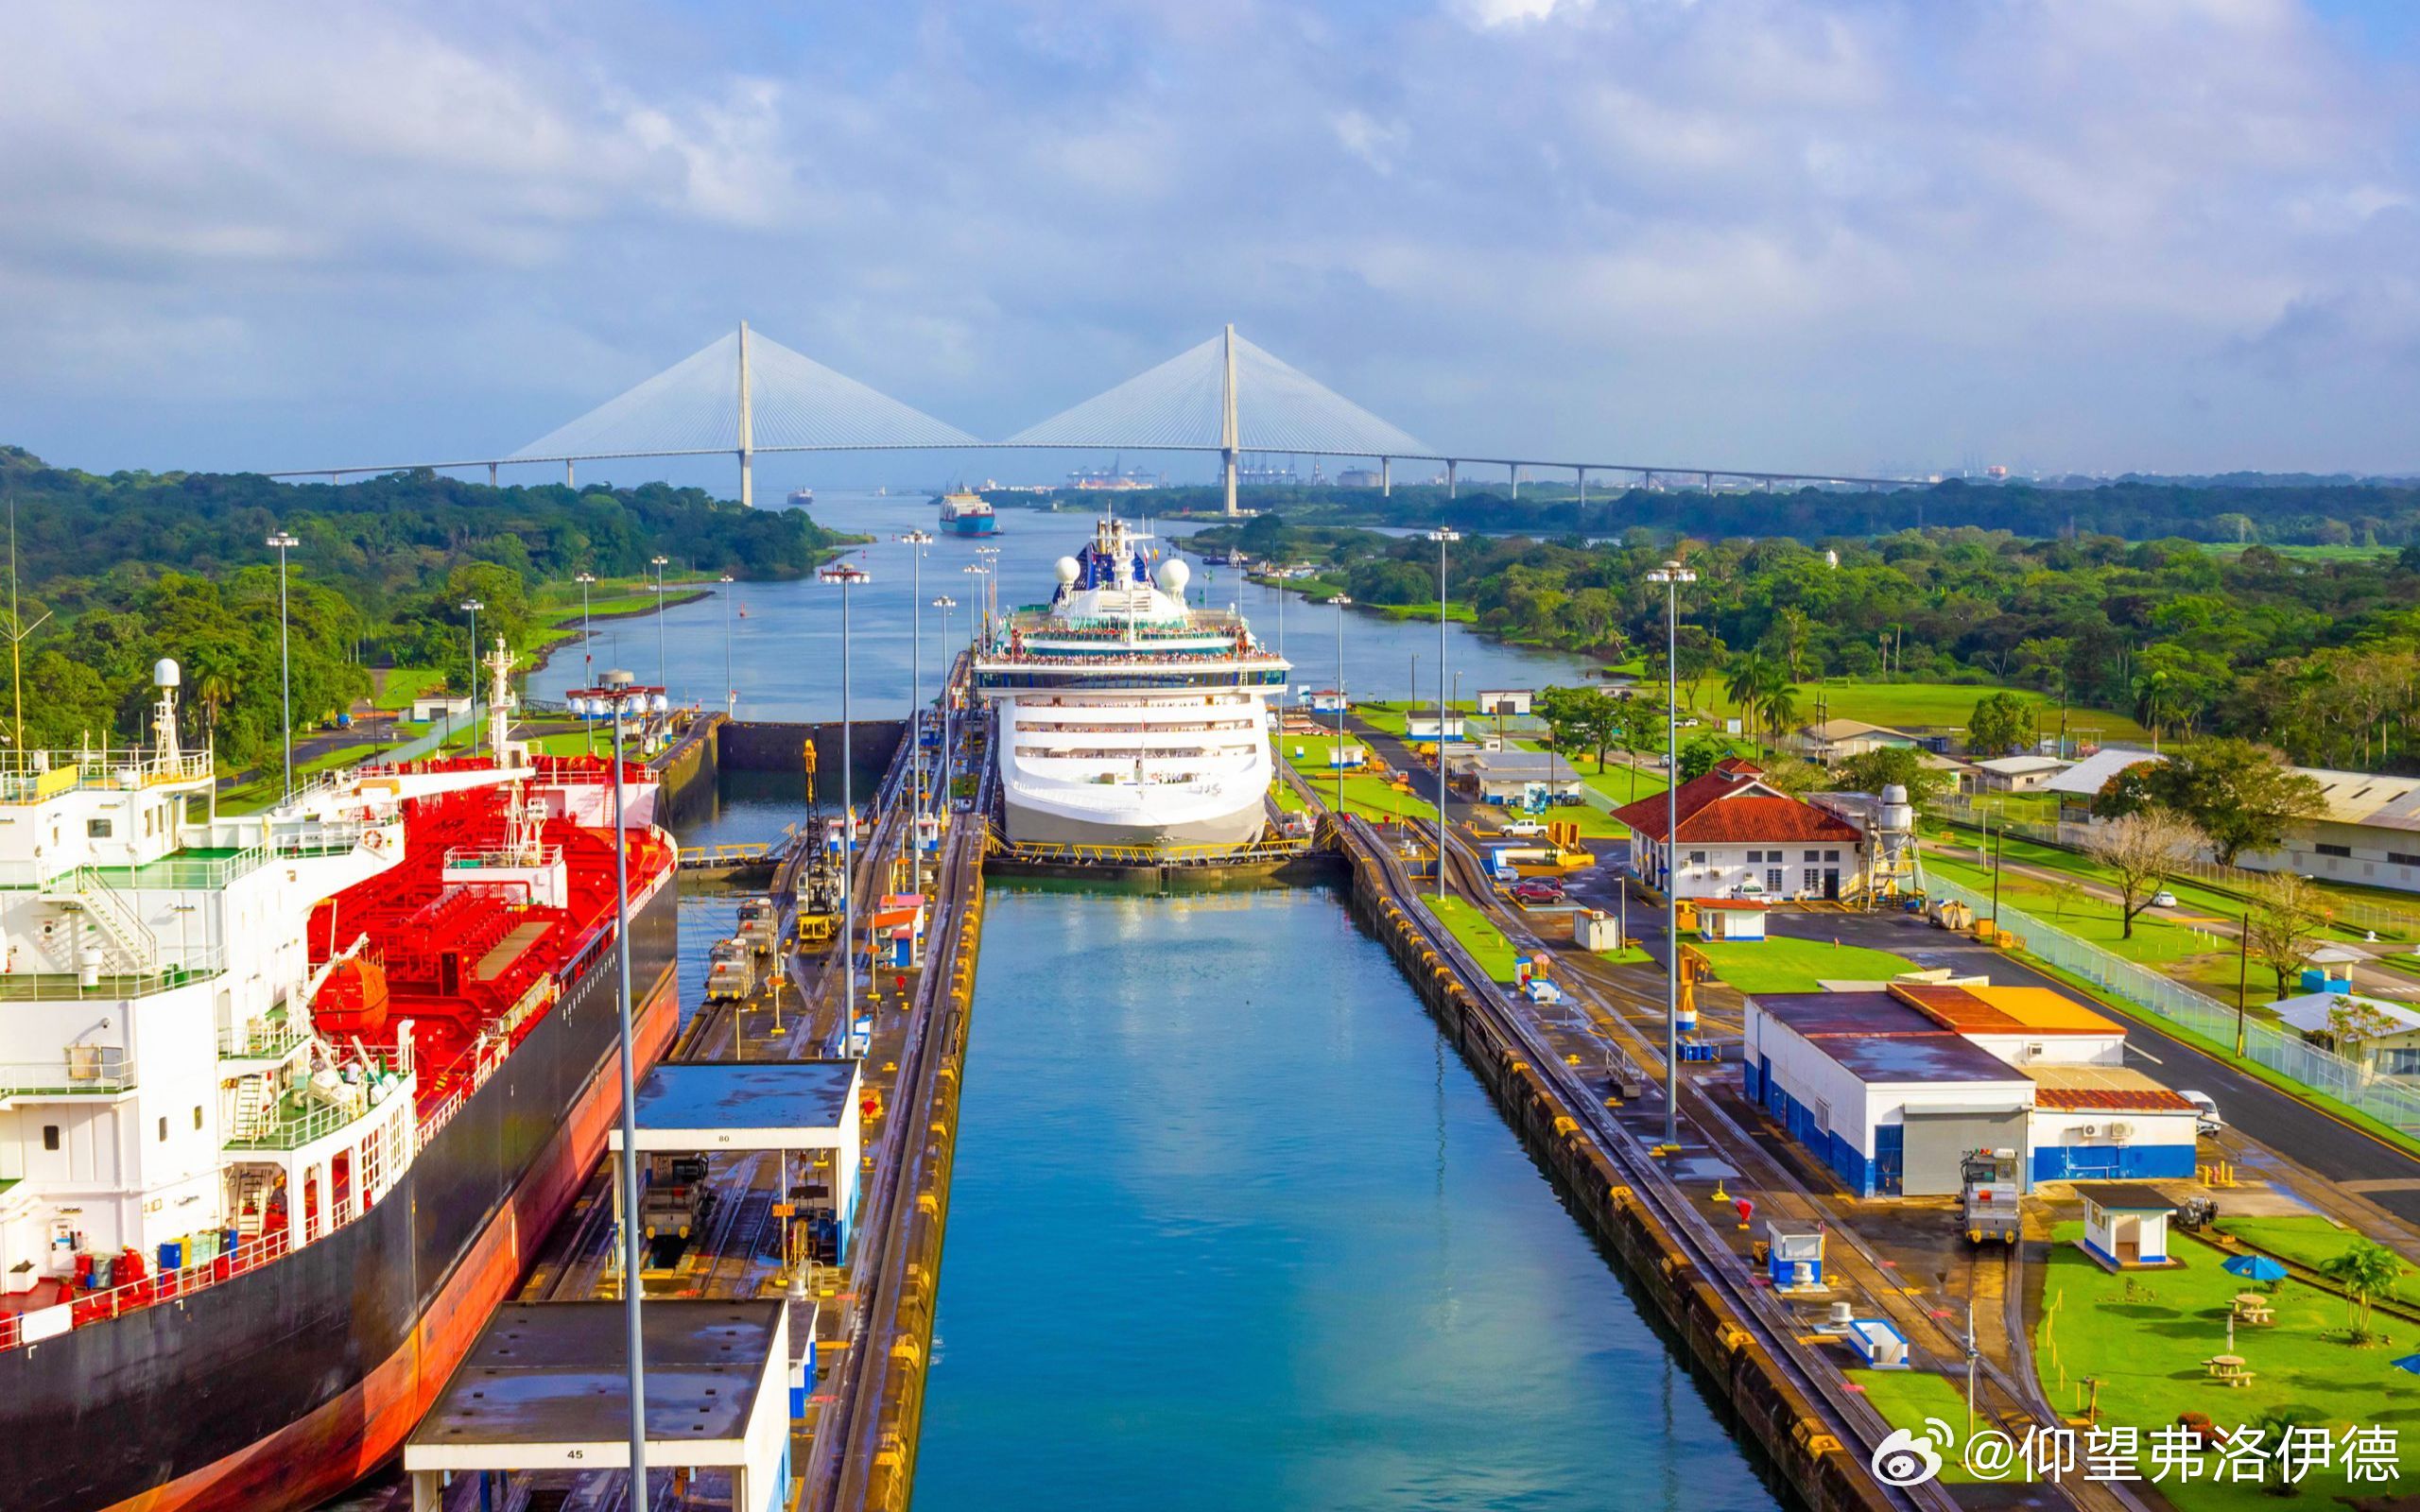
(283, 542)
(2243, 978)
(916, 541)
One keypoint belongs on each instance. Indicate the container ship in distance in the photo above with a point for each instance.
(289, 1098)
(964, 512)
(1128, 717)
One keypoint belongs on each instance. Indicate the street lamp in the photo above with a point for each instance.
(1442, 537)
(729, 682)
(990, 555)
(1671, 575)
(587, 657)
(663, 674)
(846, 576)
(284, 543)
(942, 779)
(620, 694)
(472, 606)
(1342, 603)
(981, 575)
(916, 541)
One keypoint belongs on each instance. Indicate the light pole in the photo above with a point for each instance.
(1442, 537)
(1341, 602)
(1671, 575)
(847, 575)
(283, 542)
(619, 693)
(730, 681)
(991, 586)
(916, 541)
(663, 673)
(981, 575)
(941, 779)
(472, 606)
(587, 656)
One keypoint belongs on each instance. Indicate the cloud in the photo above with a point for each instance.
(1753, 233)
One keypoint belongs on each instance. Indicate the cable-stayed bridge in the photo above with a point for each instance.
(745, 395)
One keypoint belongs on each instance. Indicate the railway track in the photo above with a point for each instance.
(1847, 1415)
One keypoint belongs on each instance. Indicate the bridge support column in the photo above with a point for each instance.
(1517, 479)
(1449, 477)
(1386, 477)
(1584, 486)
(747, 430)
(1230, 437)
(490, 474)
(569, 481)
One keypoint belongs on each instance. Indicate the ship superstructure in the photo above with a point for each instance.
(1127, 716)
(284, 1095)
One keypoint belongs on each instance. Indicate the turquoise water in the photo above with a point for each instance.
(1233, 1228)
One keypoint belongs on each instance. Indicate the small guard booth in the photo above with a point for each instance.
(804, 1111)
(2125, 1226)
(544, 1396)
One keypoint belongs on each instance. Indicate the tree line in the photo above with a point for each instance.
(123, 570)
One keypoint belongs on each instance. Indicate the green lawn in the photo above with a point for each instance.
(2191, 954)
(1485, 942)
(2304, 1240)
(399, 686)
(1784, 965)
(1906, 705)
(2145, 1336)
(1906, 1398)
(269, 786)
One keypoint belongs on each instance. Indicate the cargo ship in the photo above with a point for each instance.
(1127, 717)
(287, 1100)
(965, 512)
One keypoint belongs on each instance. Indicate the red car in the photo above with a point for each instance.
(1537, 890)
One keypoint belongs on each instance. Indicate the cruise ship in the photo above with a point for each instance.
(285, 1099)
(1126, 716)
(964, 512)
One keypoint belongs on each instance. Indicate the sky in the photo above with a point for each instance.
(2089, 236)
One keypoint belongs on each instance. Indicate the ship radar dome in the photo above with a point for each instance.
(1067, 568)
(167, 674)
(1174, 575)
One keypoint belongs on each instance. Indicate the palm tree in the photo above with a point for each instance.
(2365, 1270)
(1744, 681)
(214, 691)
(1779, 701)
(1791, 622)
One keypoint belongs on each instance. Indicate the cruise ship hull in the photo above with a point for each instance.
(1034, 822)
(281, 1386)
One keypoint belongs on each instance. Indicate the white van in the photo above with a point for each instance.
(2208, 1124)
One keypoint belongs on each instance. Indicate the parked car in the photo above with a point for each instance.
(1522, 829)
(2209, 1121)
(2162, 898)
(1537, 890)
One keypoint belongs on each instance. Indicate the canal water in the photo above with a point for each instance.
(1232, 1225)
(784, 655)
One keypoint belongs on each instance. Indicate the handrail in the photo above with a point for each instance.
(79, 1069)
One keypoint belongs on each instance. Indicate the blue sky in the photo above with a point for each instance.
(2090, 235)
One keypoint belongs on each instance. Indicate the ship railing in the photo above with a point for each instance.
(80, 1069)
(261, 1040)
(290, 1129)
(320, 838)
(82, 1307)
(29, 777)
(491, 858)
(103, 987)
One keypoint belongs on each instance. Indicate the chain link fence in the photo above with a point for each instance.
(2390, 1100)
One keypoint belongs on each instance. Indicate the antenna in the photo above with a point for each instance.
(18, 631)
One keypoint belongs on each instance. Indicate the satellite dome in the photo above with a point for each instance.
(1067, 568)
(1174, 575)
(167, 674)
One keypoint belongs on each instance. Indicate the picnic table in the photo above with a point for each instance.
(2228, 1368)
(2251, 1306)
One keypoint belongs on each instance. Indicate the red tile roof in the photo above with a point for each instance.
(1729, 805)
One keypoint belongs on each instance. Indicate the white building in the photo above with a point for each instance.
(1739, 837)
(1504, 700)
(2017, 773)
